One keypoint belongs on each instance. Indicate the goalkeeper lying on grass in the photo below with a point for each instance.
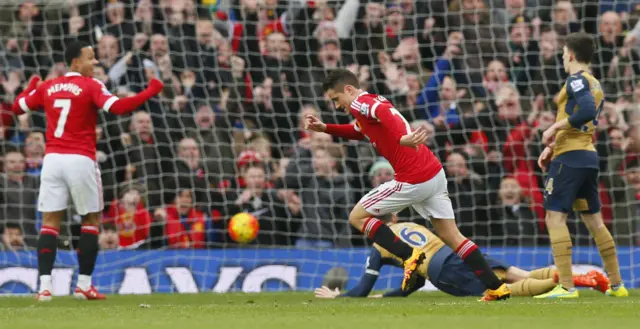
(447, 272)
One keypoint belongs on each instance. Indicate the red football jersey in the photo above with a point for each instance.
(383, 125)
(70, 103)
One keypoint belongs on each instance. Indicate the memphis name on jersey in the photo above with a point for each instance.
(68, 87)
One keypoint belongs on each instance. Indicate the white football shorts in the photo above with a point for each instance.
(430, 199)
(70, 174)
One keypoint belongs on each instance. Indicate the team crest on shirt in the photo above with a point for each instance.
(381, 98)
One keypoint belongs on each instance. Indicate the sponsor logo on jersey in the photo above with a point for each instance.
(577, 85)
(364, 109)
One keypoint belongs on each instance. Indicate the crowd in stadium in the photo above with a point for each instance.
(226, 134)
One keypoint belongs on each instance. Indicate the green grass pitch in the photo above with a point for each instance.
(302, 311)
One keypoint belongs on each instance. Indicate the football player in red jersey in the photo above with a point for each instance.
(419, 181)
(71, 103)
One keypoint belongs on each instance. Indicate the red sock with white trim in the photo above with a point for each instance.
(47, 247)
(87, 254)
(381, 234)
(471, 255)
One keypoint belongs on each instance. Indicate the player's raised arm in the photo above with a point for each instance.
(348, 131)
(112, 104)
(29, 99)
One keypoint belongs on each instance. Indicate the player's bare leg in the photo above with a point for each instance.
(471, 255)
(608, 253)
(381, 234)
(47, 247)
(87, 254)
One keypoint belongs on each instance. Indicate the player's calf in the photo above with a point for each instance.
(87, 254)
(379, 232)
(47, 247)
(469, 252)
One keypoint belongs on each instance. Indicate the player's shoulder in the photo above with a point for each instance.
(367, 104)
(579, 81)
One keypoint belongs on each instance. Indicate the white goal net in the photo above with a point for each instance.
(225, 136)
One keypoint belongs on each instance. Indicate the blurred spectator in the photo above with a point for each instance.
(565, 18)
(19, 195)
(381, 172)
(483, 41)
(25, 38)
(520, 225)
(479, 75)
(440, 93)
(189, 169)
(12, 238)
(108, 238)
(108, 50)
(257, 199)
(467, 191)
(144, 156)
(325, 198)
(525, 53)
(34, 152)
(548, 80)
(118, 26)
(131, 218)
(184, 225)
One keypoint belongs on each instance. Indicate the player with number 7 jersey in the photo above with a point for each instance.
(419, 181)
(71, 104)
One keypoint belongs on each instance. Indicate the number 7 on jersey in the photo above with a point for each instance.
(65, 106)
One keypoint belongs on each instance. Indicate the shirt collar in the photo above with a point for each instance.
(73, 74)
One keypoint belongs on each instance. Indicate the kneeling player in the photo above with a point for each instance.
(447, 272)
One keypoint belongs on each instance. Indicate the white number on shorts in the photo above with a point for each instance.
(406, 124)
(65, 105)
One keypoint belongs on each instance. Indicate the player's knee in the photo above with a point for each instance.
(52, 219)
(555, 219)
(448, 231)
(91, 219)
(592, 221)
(358, 216)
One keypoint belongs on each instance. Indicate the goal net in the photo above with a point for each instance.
(226, 135)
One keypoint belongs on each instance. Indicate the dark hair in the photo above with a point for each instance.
(12, 149)
(109, 227)
(581, 44)
(74, 50)
(10, 225)
(338, 78)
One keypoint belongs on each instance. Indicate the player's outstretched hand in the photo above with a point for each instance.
(415, 138)
(326, 293)
(155, 85)
(545, 157)
(311, 122)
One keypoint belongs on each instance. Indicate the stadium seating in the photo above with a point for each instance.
(226, 134)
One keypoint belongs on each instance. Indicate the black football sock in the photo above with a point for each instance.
(88, 249)
(47, 247)
(381, 234)
(471, 255)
